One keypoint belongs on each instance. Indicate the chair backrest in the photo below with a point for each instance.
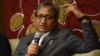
(13, 43)
(91, 53)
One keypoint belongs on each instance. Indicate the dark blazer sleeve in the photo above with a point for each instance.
(23, 45)
(88, 43)
(5, 49)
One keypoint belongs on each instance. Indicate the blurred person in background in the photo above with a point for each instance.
(5, 48)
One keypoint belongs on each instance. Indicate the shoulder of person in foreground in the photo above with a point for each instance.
(5, 48)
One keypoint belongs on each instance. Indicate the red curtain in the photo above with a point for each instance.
(90, 7)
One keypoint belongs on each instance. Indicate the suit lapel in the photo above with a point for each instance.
(47, 39)
(45, 42)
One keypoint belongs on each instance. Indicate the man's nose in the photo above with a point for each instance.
(43, 20)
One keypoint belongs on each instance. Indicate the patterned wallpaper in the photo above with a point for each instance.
(19, 15)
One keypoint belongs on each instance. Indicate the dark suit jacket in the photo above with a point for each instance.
(62, 42)
(5, 49)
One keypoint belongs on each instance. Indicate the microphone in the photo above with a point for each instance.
(36, 37)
